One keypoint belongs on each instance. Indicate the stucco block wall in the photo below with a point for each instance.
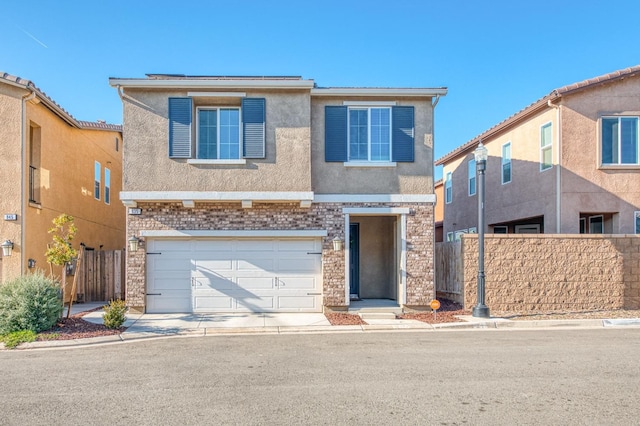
(147, 167)
(554, 272)
(405, 178)
(286, 216)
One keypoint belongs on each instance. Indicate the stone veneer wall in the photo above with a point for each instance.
(553, 272)
(286, 216)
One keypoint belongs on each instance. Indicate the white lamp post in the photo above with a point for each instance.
(481, 310)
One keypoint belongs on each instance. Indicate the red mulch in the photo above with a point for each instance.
(342, 318)
(77, 328)
(447, 313)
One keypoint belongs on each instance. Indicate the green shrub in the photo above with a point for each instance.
(13, 339)
(30, 302)
(114, 314)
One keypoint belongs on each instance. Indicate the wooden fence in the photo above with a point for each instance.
(449, 271)
(100, 276)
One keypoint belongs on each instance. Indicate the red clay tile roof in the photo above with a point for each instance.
(536, 106)
(55, 107)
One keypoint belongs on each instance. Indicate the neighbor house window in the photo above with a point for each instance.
(107, 186)
(472, 176)
(636, 216)
(369, 134)
(619, 143)
(506, 163)
(596, 225)
(448, 190)
(546, 150)
(473, 230)
(96, 179)
(218, 134)
(500, 229)
(449, 237)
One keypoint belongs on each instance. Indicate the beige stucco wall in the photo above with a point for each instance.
(10, 169)
(149, 168)
(586, 186)
(67, 161)
(405, 178)
(557, 272)
(530, 193)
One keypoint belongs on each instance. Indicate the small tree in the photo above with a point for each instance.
(60, 251)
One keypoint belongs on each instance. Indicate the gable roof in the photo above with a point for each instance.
(539, 105)
(55, 107)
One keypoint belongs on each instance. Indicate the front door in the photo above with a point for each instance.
(354, 260)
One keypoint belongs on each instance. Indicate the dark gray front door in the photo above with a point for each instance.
(354, 260)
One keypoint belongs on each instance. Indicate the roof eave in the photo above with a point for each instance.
(210, 84)
(377, 92)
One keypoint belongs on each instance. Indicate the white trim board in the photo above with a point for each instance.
(376, 211)
(374, 198)
(256, 196)
(235, 233)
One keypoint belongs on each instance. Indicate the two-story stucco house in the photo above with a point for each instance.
(568, 163)
(270, 194)
(50, 164)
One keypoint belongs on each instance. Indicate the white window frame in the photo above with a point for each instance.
(506, 229)
(449, 237)
(583, 224)
(636, 221)
(472, 177)
(503, 163)
(217, 109)
(368, 108)
(602, 223)
(528, 226)
(448, 188)
(97, 180)
(547, 147)
(107, 185)
(619, 164)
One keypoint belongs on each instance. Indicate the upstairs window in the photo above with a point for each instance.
(218, 134)
(96, 180)
(546, 147)
(471, 165)
(107, 186)
(636, 216)
(506, 163)
(222, 133)
(619, 143)
(369, 134)
(448, 189)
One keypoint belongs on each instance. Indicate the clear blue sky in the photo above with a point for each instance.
(496, 57)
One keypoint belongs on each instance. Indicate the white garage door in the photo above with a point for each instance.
(234, 275)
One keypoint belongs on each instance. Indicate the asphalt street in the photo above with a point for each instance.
(496, 377)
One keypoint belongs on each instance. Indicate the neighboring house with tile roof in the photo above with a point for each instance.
(567, 163)
(52, 163)
(270, 194)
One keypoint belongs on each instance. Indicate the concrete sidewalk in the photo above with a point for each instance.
(144, 326)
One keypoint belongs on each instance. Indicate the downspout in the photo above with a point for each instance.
(25, 176)
(558, 165)
(433, 191)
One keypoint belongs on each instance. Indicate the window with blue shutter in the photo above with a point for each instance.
(253, 128)
(335, 133)
(180, 110)
(369, 134)
(402, 134)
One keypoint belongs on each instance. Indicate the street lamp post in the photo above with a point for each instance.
(481, 310)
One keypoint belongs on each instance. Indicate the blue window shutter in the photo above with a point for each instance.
(335, 133)
(180, 127)
(402, 134)
(253, 128)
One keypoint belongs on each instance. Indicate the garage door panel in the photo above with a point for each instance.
(222, 245)
(214, 283)
(172, 245)
(171, 264)
(214, 265)
(298, 264)
(255, 263)
(255, 303)
(178, 284)
(168, 303)
(254, 245)
(296, 283)
(213, 303)
(296, 302)
(255, 283)
(297, 245)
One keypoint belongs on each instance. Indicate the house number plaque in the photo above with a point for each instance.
(135, 211)
(10, 217)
